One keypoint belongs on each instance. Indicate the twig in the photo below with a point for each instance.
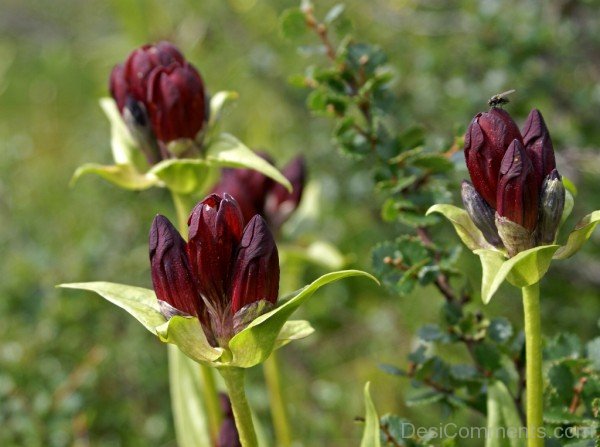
(577, 390)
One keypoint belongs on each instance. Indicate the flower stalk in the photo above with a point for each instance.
(234, 381)
(533, 347)
(277, 401)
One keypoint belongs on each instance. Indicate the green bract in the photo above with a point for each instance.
(371, 436)
(524, 269)
(182, 176)
(247, 348)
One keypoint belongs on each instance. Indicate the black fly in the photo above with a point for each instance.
(500, 99)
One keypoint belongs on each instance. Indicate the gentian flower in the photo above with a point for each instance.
(516, 197)
(258, 194)
(226, 274)
(161, 98)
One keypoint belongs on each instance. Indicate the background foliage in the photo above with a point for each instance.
(75, 371)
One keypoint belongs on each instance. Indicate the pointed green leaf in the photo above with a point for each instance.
(227, 151)
(124, 175)
(463, 225)
(183, 176)
(124, 148)
(255, 343)
(502, 415)
(582, 232)
(319, 253)
(217, 102)
(371, 436)
(293, 330)
(187, 334)
(139, 302)
(524, 269)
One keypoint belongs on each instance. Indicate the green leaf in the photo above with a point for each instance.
(187, 334)
(370, 437)
(191, 422)
(562, 381)
(124, 148)
(139, 302)
(500, 330)
(227, 151)
(524, 269)
(183, 176)
(463, 225)
(292, 23)
(582, 232)
(293, 330)
(433, 162)
(334, 13)
(424, 398)
(255, 343)
(217, 102)
(320, 253)
(123, 175)
(593, 352)
(502, 415)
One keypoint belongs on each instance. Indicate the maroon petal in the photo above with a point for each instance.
(256, 271)
(171, 274)
(486, 141)
(281, 203)
(538, 143)
(518, 192)
(215, 230)
(118, 86)
(176, 102)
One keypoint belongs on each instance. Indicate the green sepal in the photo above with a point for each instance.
(183, 176)
(463, 225)
(501, 415)
(371, 436)
(124, 148)
(582, 232)
(123, 175)
(227, 151)
(524, 269)
(139, 302)
(187, 334)
(217, 103)
(293, 330)
(255, 343)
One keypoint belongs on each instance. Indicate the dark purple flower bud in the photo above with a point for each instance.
(256, 271)
(176, 102)
(171, 274)
(482, 215)
(518, 192)
(169, 88)
(538, 143)
(281, 203)
(248, 187)
(215, 230)
(486, 141)
(552, 204)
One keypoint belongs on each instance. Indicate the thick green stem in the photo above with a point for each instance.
(234, 381)
(533, 346)
(281, 424)
(210, 397)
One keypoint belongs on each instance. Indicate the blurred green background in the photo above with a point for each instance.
(74, 370)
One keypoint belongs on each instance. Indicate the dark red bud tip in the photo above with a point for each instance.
(539, 145)
(215, 230)
(487, 138)
(118, 86)
(256, 271)
(171, 275)
(280, 203)
(518, 192)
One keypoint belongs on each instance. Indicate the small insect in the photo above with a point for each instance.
(500, 99)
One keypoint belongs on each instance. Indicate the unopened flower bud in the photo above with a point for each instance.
(552, 204)
(518, 193)
(536, 139)
(486, 140)
(481, 213)
(514, 237)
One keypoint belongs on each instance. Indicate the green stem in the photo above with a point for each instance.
(210, 396)
(533, 346)
(281, 424)
(234, 381)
